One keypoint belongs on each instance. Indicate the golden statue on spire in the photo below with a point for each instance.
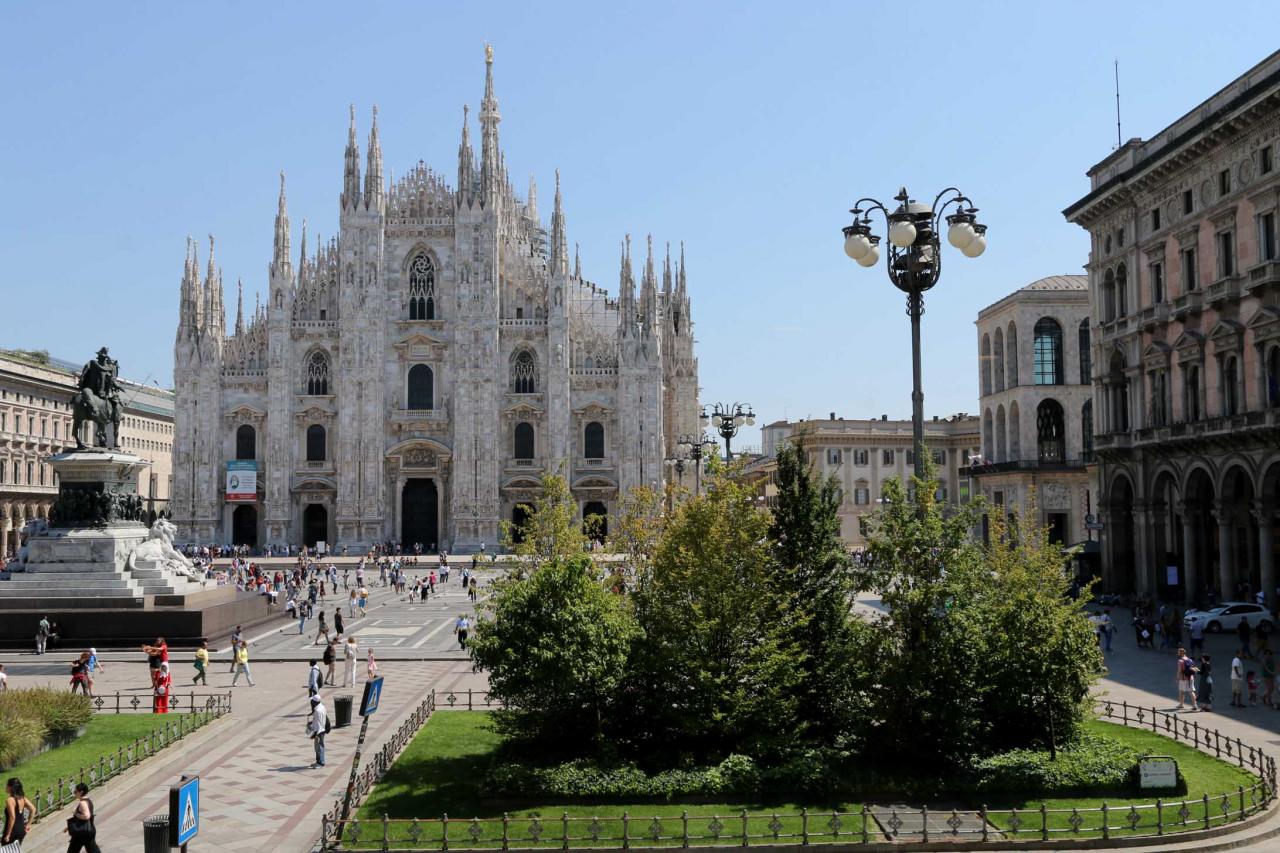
(488, 53)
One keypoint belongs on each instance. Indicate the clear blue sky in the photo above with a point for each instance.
(744, 129)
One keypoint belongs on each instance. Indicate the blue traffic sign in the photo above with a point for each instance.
(184, 811)
(372, 694)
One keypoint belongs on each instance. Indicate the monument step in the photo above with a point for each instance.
(62, 568)
(15, 584)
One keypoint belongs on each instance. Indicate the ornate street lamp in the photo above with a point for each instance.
(727, 420)
(696, 447)
(914, 263)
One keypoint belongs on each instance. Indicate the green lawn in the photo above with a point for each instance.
(441, 770)
(105, 734)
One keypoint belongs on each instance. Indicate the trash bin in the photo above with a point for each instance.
(341, 711)
(155, 834)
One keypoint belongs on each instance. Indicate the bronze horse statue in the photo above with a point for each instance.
(88, 406)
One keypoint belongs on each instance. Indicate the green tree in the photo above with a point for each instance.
(550, 527)
(637, 530)
(1041, 655)
(715, 670)
(555, 646)
(816, 576)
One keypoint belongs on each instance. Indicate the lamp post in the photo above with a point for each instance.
(727, 420)
(914, 263)
(696, 447)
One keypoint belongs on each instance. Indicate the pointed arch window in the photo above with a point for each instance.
(246, 442)
(524, 373)
(422, 288)
(1086, 358)
(317, 376)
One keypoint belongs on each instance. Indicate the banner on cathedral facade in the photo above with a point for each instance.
(242, 480)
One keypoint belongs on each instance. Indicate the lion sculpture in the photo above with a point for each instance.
(158, 551)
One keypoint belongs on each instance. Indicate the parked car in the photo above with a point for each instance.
(1227, 617)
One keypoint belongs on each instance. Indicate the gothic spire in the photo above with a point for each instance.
(531, 206)
(190, 307)
(302, 254)
(239, 308)
(280, 254)
(466, 157)
(351, 170)
(490, 165)
(681, 293)
(626, 292)
(666, 275)
(649, 293)
(373, 188)
(559, 241)
(577, 263)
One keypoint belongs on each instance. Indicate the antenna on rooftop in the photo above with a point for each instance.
(1117, 69)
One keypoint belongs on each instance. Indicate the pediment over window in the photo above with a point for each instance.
(419, 345)
(245, 413)
(1156, 353)
(1265, 322)
(1227, 334)
(313, 413)
(522, 411)
(593, 481)
(594, 411)
(1189, 344)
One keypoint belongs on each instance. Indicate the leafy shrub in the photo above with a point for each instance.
(56, 710)
(1096, 764)
(19, 737)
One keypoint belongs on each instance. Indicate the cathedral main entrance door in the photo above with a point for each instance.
(244, 525)
(420, 514)
(315, 525)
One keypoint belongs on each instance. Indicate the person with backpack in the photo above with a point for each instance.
(1237, 679)
(1186, 674)
(18, 812)
(81, 826)
(317, 727)
(1206, 684)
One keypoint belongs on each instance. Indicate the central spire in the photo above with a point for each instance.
(559, 241)
(490, 167)
(373, 188)
(351, 169)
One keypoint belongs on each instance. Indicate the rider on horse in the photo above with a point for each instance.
(98, 400)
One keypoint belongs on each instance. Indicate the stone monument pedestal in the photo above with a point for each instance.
(79, 572)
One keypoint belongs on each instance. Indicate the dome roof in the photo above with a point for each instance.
(1060, 282)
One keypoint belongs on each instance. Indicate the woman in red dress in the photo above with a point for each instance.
(162, 684)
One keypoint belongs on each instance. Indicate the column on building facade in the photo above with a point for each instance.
(1263, 514)
(1190, 571)
(1226, 581)
(6, 528)
(1144, 570)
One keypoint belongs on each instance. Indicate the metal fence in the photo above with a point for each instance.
(179, 703)
(170, 729)
(870, 824)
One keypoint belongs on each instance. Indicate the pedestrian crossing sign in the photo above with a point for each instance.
(184, 810)
(372, 694)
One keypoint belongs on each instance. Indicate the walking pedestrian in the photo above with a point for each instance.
(202, 664)
(242, 664)
(323, 630)
(161, 685)
(81, 826)
(78, 673)
(317, 728)
(1197, 636)
(371, 666)
(1268, 677)
(1237, 680)
(314, 678)
(351, 604)
(1186, 670)
(328, 658)
(364, 599)
(472, 591)
(43, 630)
(304, 610)
(1243, 631)
(462, 627)
(94, 666)
(18, 812)
(1206, 683)
(236, 636)
(337, 623)
(349, 656)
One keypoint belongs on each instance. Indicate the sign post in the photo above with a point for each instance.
(368, 705)
(184, 811)
(1157, 771)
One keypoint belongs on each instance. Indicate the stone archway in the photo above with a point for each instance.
(420, 514)
(244, 525)
(315, 525)
(1120, 505)
(1200, 534)
(1237, 537)
(1166, 540)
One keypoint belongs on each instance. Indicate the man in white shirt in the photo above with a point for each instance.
(1237, 680)
(317, 727)
(313, 678)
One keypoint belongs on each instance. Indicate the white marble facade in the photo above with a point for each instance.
(411, 378)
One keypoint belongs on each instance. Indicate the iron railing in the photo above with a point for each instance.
(179, 703)
(172, 728)
(1195, 813)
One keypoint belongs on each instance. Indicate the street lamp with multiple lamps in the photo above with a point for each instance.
(691, 448)
(727, 419)
(914, 263)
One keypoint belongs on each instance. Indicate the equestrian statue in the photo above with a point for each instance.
(98, 400)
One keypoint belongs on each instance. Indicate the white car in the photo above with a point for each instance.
(1228, 615)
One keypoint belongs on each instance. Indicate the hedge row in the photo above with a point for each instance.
(29, 716)
(1097, 765)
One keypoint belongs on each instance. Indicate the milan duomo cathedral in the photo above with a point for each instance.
(410, 379)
